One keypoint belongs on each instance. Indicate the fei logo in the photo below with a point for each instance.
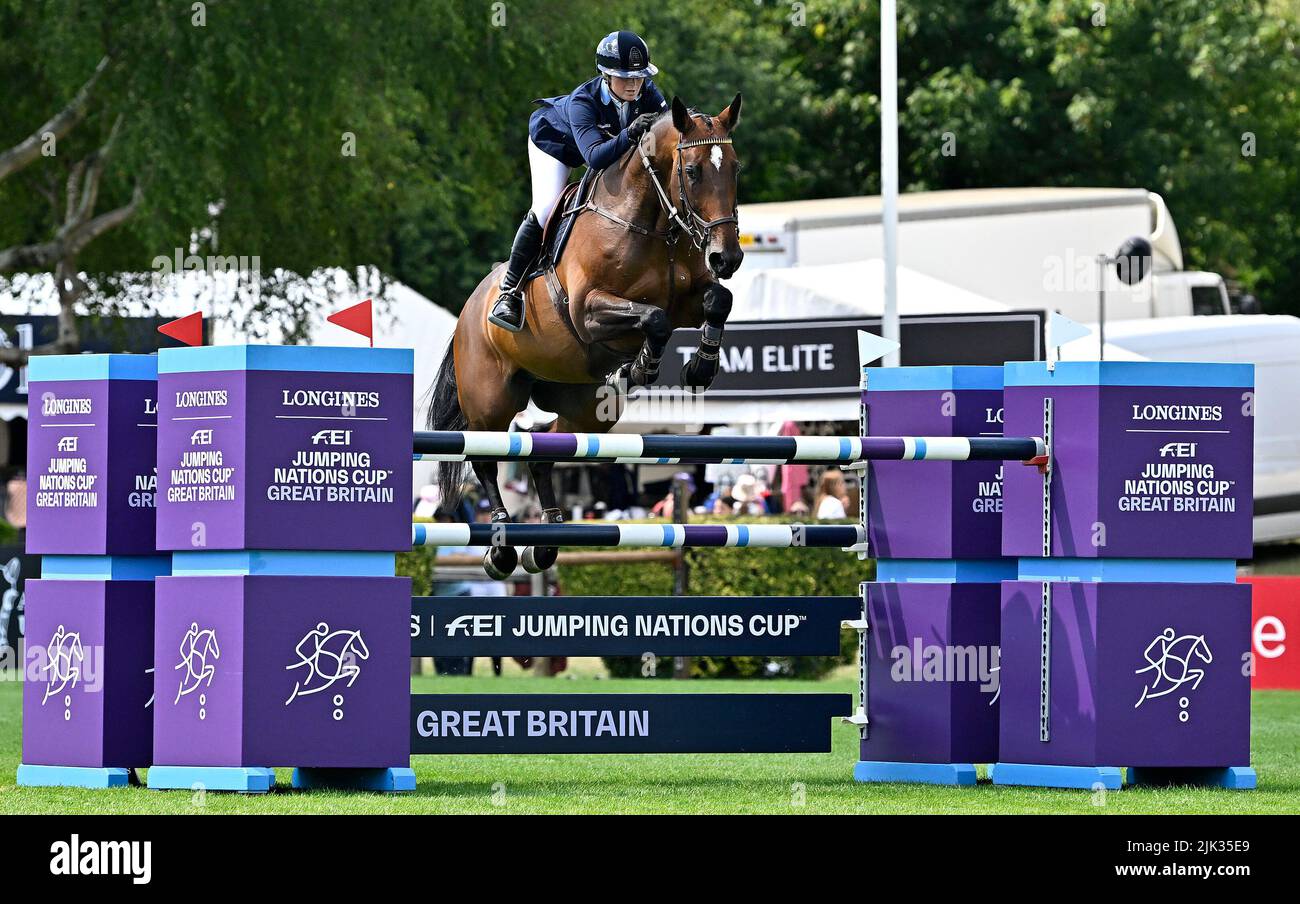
(332, 438)
(1172, 660)
(329, 657)
(475, 626)
(1178, 450)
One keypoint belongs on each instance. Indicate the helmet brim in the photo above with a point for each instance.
(649, 71)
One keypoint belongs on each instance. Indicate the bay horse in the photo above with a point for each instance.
(644, 257)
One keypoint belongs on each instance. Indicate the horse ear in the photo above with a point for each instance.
(731, 116)
(681, 115)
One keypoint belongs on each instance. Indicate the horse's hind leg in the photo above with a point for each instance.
(500, 561)
(491, 390)
(537, 559)
(579, 407)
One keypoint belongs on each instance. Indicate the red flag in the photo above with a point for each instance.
(357, 318)
(189, 329)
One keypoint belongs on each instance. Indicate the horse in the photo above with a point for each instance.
(657, 232)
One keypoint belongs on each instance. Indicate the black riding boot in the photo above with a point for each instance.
(508, 311)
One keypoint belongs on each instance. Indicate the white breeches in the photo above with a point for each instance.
(549, 178)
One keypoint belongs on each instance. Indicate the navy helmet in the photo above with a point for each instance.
(624, 54)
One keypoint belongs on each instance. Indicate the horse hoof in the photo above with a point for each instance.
(618, 380)
(694, 381)
(499, 562)
(537, 559)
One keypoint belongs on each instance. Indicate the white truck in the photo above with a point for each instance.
(1024, 247)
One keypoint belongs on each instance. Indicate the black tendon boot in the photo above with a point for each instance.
(508, 310)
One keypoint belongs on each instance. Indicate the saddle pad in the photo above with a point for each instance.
(572, 199)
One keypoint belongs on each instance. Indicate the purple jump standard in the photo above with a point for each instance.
(930, 648)
(89, 622)
(281, 635)
(1124, 635)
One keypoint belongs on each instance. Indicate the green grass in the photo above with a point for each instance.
(730, 783)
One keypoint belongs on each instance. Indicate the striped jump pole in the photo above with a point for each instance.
(842, 536)
(631, 448)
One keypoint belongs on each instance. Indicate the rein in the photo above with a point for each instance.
(696, 228)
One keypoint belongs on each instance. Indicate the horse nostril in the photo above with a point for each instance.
(716, 262)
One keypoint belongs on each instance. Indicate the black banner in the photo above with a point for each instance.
(629, 625)
(820, 357)
(16, 567)
(624, 723)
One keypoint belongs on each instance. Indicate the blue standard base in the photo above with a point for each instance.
(395, 780)
(1234, 778)
(32, 776)
(244, 779)
(1085, 778)
(916, 773)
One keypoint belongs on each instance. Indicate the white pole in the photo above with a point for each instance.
(889, 168)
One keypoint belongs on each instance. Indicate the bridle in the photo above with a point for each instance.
(697, 228)
(680, 220)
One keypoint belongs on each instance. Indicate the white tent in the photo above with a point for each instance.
(403, 317)
(854, 289)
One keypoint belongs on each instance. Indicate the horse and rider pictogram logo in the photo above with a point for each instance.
(1172, 658)
(198, 647)
(329, 657)
(64, 655)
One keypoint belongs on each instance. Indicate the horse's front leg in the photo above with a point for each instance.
(610, 317)
(702, 368)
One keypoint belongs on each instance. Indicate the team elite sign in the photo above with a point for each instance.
(819, 358)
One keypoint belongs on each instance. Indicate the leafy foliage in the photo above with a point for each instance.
(253, 109)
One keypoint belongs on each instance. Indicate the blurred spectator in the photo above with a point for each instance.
(794, 477)
(16, 501)
(832, 496)
(721, 490)
(748, 494)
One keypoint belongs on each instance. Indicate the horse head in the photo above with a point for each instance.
(1202, 649)
(701, 166)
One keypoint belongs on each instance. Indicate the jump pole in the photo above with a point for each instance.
(672, 449)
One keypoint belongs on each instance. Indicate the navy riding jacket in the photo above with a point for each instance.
(583, 127)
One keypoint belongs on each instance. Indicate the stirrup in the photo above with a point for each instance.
(501, 321)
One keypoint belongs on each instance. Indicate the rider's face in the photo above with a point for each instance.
(625, 88)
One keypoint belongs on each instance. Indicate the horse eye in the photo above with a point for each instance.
(693, 171)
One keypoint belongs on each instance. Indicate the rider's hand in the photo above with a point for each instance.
(638, 127)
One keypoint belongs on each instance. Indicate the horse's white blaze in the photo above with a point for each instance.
(716, 156)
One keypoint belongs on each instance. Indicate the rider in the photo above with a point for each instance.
(597, 124)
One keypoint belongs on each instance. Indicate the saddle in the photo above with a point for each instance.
(558, 227)
(572, 202)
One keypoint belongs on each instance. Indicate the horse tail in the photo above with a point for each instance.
(445, 414)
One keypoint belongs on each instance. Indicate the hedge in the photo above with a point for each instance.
(712, 572)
